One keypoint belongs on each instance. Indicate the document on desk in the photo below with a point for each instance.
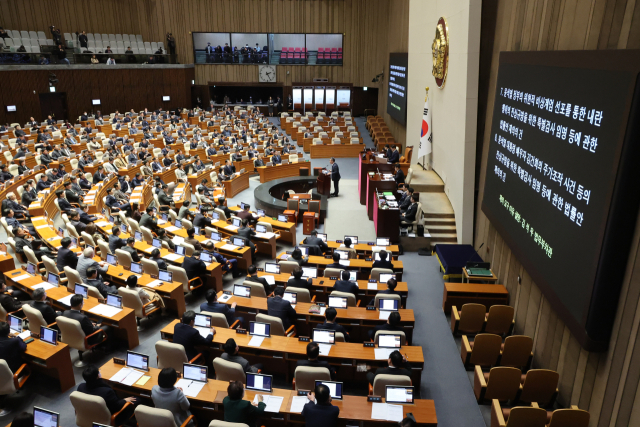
(384, 314)
(172, 257)
(229, 247)
(161, 221)
(121, 375)
(265, 235)
(324, 349)
(102, 223)
(190, 388)
(42, 226)
(385, 411)
(132, 377)
(203, 331)
(25, 334)
(273, 402)
(171, 228)
(255, 341)
(270, 280)
(21, 277)
(154, 284)
(231, 228)
(43, 285)
(372, 286)
(322, 310)
(224, 298)
(105, 310)
(149, 249)
(297, 403)
(177, 240)
(345, 262)
(383, 353)
(66, 300)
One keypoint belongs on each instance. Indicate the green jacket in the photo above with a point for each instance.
(241, 411)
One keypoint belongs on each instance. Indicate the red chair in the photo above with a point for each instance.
(296, 58)
(339, 50)
(290, 58)
(298, 50)
(339, 58)
(320, 59)
(304, 55)
(283, 57)
(284, 49)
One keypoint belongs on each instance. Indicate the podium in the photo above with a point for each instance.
(324, 184)
(308, 223)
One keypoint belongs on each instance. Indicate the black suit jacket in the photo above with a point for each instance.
(320, 415)
(318, 364)
(346, 286)
(281, 308)
(86, 218)
(383, 264)
(64, 204)
(133, 252)
(101, 389)
(265, 284)
(395, 157)
(411, 213)
(66, 258)
(316, 241)
(9, 303)
(11, 350)
(72, 197)
(335, 327)
(399, 177)
(47, 311)
(149, 222)
(85, 323)
(300, 283)
(194, 267)
(189, 338)
(405, 369)
(116, 242)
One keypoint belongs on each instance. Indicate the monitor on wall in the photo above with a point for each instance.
(166, 98)
(397, 87)
(95, 102)
(11, 108)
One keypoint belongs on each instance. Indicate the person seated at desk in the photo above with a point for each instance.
(121, 187)
(155, 257)
(231, 353)
(167, 161)
(213, 306)
(148, 220)
(237, 156)
(345, 285)
(109, 166)
(39, 251)
(399, 175)
(22, 167)
(253, 277)
(88, 327)
(9, 216)
(314, 240)
(190, 235)
(296, 256)
(297, 281)
(137, 180)
(70, 195)
(259, 161)
(193, 266)
(323, 413)
(99, 176)
(245, 231)
(162, 236)
(146, 295)
(336, 262)
(115, 242)
(132, 157)
(156, 166)
(330, 315)
(200, 220)
(383, 262)
(86, 261)
(84, 182)
(96, 386)
(113, 203)
(395, 155)
(63, 203)
(184, 209)
(103, 287)
(189, 337)
(392, 325)
(276, 159)
(281, 308)
(313, 351)
(227, 264)
(5, 175)
(398, 365)
(11, 349)
(405, 199)
(40, 303)
(412, 210)
(181, 174)
(238, 410)
(167, 396)
(66, 257)
(229, 169)
(131, 250)
(29, 194)
(211, 151)
(85, 218)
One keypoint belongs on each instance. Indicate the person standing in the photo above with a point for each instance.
(335, 176)
(171, 43)
(270, 104)
(83, 39)
(62, 55)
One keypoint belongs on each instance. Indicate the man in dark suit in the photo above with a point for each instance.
(395, 155)
(384, 261)
(336, 262)
(399, 176)
(229, 169)
(185, 334)
(246, 231)
(201, 221)
(112, 202)
(63, 203)
(213, 306)
(314, 240)
(103, 287)
(147, 220)
(412, 211)
(155, 257)
(74, 219)
(313, 351)
(253, 277)
(84, 215)
(193, 266)
(392, 325)
(88, 327)
(66, 258)
(281, 308)
(40, 303)
(115, 242)
(99, 176)
(11, 349)
(43, 183)
(276, 159)
(164, 199)
(131, 250)
(398, 365)
(330, 323)
(296, 280)
(405, 200)
(96, 386)
(345, 285)
(335, 176)
(323, 413)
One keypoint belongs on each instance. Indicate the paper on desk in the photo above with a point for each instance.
(132, 377)
(372, 286)
(66, 300)
(273, 402)
(204, 331)
(154, 284)
(172, 257)
(43, 285)
(25, 334)
(255, 341)
(297, 403)
(190, 388)
(229, 247)
(270, 279)
(322, 310)
(22, 277)
(383, 353)
(161, 221)
(224, 298)
(384, 314)
(102, 223)
(344, 262)
(172, 228)
(149, 249)
(121, 375)
(265, 235)
(231, 227)
(105, 310)
(142, 381)
(177, 240)
(37, 218)
(42, 226)
(324, 349)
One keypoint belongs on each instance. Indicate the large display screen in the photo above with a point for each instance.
(557, 184)
(397, 94)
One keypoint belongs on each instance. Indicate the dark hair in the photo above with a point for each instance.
(196, 254)
(296, 254)
(279, 290)
(314, 233)
(331, 314)
(91, 372)
(345, 275)
(211, 296)
(24, 419)
(392, 283)
(36, 243)
(191, 232)
(236, 390)
(394, 318)
(415, 197)
(322, 391)
(132, 281)
(167, 378)
(383, 255)
(155, 253)
(252, 269)
(313, 350)
(229, 347)
(161, 232)
(131, 241)
(336, 257)
(91, 271)
(59, 193)
(186, 203)
(411, 190)
(188, 317)
(4, 329)
(396, 358)
(115, 230)
(347, 242)
(297, 272)
(76, 300)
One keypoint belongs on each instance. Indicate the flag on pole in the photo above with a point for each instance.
(425, 131)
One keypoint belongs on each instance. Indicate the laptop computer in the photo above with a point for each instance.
(335, 388)
(53, 279)
(310, 272)
(114, 300)
(80, 289)
(338, 302)
(261, 228)
(242, 291)
(292, 297)
(137, 360)
(237, 241)
(260, 329)
(389, 341)
(216, 236)
(45, 418)
(344, 255)
(272, 267)
(382, 241)
(138, 236)
(236, 222)
(136, 268)
(156, 243)
(194, 372)
(384, 277)
(178, 223)
(260, 382)
(15, 324)
(48, 335)
(398, 394)
(323, 237)
(388, 304)
(111, 259)
(180, 250)
(165, 276)
(324, 336)
(31, 268)
(282, 218)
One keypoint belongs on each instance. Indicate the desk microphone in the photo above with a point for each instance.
(475, 253)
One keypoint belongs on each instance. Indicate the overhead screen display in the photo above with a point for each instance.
(397, 94)
(555, 183)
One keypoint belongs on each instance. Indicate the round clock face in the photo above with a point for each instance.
(267, 73)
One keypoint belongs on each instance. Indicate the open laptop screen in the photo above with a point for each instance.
(398, 394)
(259, 382)
(335, 388)
(138, 360)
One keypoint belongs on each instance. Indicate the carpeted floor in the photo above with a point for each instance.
(444, 379)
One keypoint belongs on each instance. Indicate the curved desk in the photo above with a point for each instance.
(269, 173)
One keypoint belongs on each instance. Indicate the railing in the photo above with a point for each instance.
(26, 58)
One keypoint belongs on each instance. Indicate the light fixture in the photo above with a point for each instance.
(193, 82)
(377, 78)
(52, 88)
(364, 88)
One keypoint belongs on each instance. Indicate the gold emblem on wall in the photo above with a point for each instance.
(440, 52)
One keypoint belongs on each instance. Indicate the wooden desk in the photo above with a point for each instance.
(29, 162)
(386, 221)
(263, 244)
(247, 165)
(195, 179)
(359, 265)
(66, 163)
(51, 360)
(167, 176)
(364, 248)
(269, 173)
(131, 171)
(287, 229)
(208, 403)
(288, 350)
(366, 166)
(459, 294)
(123, 323)
(375, 184)
(236, 185)
(468, 279)
(335, 150)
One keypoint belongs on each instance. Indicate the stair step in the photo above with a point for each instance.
(442, 235)
(441, 229)
(439, 221)
(438, 215)
(439, 240)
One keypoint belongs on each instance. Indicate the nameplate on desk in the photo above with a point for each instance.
(371, 307)
(369, 344)
(260, 269)
(288, 252)
(333, 277)
(328, 256)
(338, 241)
(321, 304)
(371, 243)
(226, 292)
(377, 399)
(305, 339)
(303, 392)
(241, 331)
(368, 259)
(118, 361)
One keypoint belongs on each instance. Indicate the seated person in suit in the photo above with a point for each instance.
(314, 240)
(74, 219)
(185, 334)
(398, 365)
(155, 257)
(131, 250)
(330, 315)
(395, 155)
(40, 251)
(96, 386)
(88, 327)
(392, 325)
(9, 216)
(11, 349)
(323, 413)
(115, 242)
(384, 262)
(253, 277)
(40, 303)
(297, 281)
(238, 410)
(313, 351)
(146, 295)
(103, 287)
(412, 210)
(231, 353)
(345, 285)
(162, 235)
(8, 298)
(405, 200)
(399, 175)
(213, 306)
(281, 308)
(193, 266)
(191, 232)
(276, 159)
(227, 264)
(66, 258)
(336, 262)
(84, 214)
(296, 256)
(84, 182)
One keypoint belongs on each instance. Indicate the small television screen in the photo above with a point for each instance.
(166, 98)
(95, 102)
(11, 108)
